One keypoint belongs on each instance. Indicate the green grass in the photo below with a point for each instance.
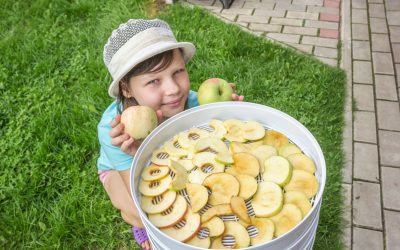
(53, 88)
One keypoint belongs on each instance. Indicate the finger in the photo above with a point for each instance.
(126, 146)
(159, 115)
(116, 121)
(146, 245)
(117, 130)
(241, 98)
(117, 141)
(234, 97)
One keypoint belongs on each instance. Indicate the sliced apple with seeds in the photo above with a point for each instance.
(206, 162)
(173, 148)
(180, 176)
(237, 231)
(278, 170)
(268, 199)
(200, 242)
(253, 130)
(187, 164)
(244, 163)
(275, 139)
(303, 181)
(197, 176)
(156, 187)
(154, 172)
(299, 199)
(262, 153)
(218, 210)
(160, 157)
(265, 228)
(248, 186)
(172, 215)
(302, 162)
(289, 149)
(286, 219)
(198, 196)
(239, 208)
(186, 229)
(189, 138)
(219, 130)
(223, 186)
(234, 130)
(215, 226)
(158, 204)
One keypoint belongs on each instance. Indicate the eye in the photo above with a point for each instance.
(179, 71)
(155, 81)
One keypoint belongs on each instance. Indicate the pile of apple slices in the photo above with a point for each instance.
(232, 185)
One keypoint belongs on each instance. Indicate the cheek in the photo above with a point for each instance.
(149, 98)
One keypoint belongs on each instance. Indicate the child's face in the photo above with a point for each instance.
(166, 90)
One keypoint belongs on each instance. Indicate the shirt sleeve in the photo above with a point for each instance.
(111, 157)
(192, 99)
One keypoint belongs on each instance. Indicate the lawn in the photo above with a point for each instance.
(53, 87)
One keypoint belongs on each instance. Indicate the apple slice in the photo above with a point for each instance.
(302, 162)
(215, 226)
(197, 176)
(245, 163)
(239, 208)
(289, 149)
(185, 229)
(278, 170)
(206, 162)
(180, 176)
(234, 130)
(262, 153)
(248, 186)
(223, 186)
(173, 148)
(212, 143)
(198, 196)
(268, 199)
(219, 130)
(187, 164)
(160, 157)
(253, 130)
(239, 232)
(286, 219)
(158, 204)
(265, 228)
(299, 199)
(154, 188)
(303, 181)
(200, 242)
(222, 209)
(240, 147)
(189, 138)
(172, 215)
(275, 138)
(154, 172)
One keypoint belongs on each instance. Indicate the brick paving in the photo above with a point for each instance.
(369, 32)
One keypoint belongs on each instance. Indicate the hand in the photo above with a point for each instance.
(146, 245)
(235, 97)
(120, 139)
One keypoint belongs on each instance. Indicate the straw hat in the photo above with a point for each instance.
(136, 41)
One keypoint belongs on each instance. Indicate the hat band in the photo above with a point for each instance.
(134, 46)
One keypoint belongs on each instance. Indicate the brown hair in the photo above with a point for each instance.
(154, 64)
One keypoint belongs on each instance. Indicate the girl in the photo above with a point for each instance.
(147, 65)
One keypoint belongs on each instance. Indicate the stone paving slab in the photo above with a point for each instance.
(367, 239)
(389, 148)
(367, 205)
(392, 222)
(390, 188)
(366, 163)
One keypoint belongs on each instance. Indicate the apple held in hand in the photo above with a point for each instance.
(214, 90)
(139, 121)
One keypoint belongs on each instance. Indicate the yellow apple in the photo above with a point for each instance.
(139, 121)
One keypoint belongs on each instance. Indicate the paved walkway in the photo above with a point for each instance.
(369, 31)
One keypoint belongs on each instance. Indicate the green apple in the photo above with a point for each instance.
(214, 90)
(139, 121)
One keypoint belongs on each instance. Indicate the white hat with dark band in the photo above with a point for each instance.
(136, 41)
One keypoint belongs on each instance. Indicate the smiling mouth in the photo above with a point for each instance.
(173, 103)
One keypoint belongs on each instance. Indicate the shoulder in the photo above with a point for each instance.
(192, 99)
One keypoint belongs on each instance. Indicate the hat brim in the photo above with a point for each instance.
(188, 51)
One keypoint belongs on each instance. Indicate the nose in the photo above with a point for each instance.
(171, 86)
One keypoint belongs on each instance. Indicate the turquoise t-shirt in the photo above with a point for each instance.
(112, 157)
